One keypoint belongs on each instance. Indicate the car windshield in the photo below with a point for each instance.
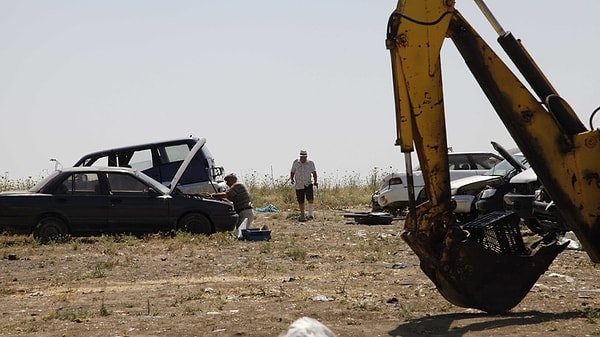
(40, 184)
(504, 167)
(469, 161)
(155, 184)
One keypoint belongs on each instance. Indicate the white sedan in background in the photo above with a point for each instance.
(392, 195)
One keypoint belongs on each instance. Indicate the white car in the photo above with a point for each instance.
(392, 195)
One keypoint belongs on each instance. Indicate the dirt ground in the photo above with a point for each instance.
(360, 280)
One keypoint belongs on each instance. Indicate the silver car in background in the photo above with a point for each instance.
(392, 195)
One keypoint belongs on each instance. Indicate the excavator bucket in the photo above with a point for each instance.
(483, 265)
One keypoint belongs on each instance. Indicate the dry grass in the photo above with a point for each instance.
(359, 280)
(8, 184)
(349, 191)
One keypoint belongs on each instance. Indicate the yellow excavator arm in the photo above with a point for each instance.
(485, 264)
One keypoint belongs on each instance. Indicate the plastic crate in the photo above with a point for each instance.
(256, 234)
(499, 232)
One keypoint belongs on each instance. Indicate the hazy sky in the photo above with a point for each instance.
(259, 79)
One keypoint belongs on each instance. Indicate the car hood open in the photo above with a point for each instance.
(186, 163)
(514, 162)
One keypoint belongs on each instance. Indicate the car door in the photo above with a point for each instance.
(132, 208)
(79, 197)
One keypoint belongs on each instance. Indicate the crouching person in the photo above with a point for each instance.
(239, 195)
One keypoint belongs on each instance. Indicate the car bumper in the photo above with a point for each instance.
(520, 203)
(392, 198)
(489, 205)
(464, 203)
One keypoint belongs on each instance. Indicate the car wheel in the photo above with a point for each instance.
(195, 223)
(50, 229)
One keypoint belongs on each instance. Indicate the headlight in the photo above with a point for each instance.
(487, 193)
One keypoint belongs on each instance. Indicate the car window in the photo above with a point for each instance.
(459, 162)
(504, 168)
(42, 183)
(141, 160)
(102, 161)
(123, 184)
(169, 154)
(80, 184)
(152, 183)
(171, 157)
(484, 161)
(470, 161)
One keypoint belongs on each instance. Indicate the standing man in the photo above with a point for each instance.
(300, 175)
(239, 195)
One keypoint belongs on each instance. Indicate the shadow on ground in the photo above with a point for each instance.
(456, 325)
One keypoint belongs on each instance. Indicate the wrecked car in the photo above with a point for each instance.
(484, 193)
(535, 207)
(84, 201)
(161, 160)
(392, 195)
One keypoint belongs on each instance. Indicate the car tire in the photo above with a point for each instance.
(50, 229)
(195, 223)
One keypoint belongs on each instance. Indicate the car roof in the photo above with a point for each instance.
(77, 169)
(182, 168)
(101, 153)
